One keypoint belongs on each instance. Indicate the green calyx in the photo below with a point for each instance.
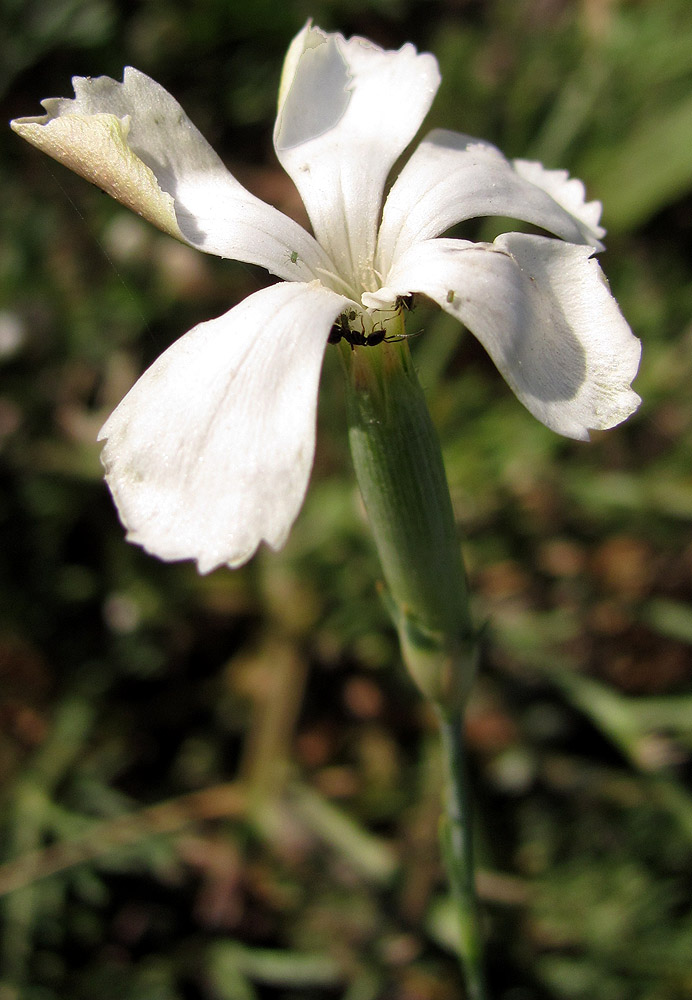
(400, 472)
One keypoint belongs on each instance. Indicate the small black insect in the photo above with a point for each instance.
(342, 329)
(369, 339)
(356, 338)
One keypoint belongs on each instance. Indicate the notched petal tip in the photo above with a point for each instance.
(568, 192)
(134, 141)
(95, 146)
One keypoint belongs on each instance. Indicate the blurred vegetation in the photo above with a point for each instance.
(225, 788)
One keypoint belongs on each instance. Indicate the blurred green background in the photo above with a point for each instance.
(226, 788)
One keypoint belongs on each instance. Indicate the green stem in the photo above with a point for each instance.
(400, 471)
(457, 840)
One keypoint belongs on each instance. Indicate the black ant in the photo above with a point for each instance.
(359, 338)
(356, 338)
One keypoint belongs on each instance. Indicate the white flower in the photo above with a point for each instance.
(210, 453)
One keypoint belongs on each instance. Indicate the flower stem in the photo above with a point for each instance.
(400, 471)
(457, 847)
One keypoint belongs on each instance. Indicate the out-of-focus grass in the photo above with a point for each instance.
(225, 787)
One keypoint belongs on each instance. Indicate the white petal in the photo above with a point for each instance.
(134, 141)
(347, 111)
(452, 177)
(210, 452)
(543, 311)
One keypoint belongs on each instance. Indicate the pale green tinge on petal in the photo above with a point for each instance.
(135, 141)
(543, 311)
(95, 146)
